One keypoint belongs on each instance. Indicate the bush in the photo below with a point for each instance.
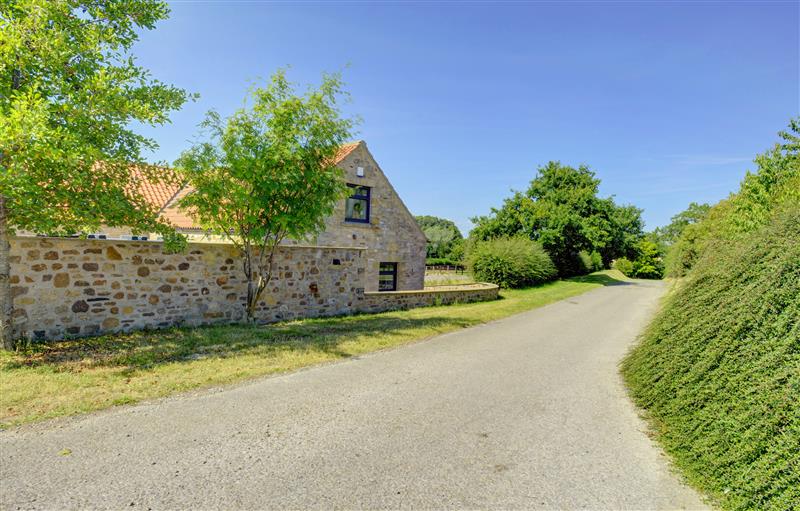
(719, 369)
(443, 261)
(624, 265)
(586, 262)
(648, 264)
(511, 262)
(597, 261)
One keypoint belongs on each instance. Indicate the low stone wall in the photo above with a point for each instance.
(71, 287)
(444, 295)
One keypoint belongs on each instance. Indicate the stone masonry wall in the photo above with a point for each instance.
(65, 287)
(71, 287)
(446, 295)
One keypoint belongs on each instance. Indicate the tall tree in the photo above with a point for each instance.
(443, 236)
(268, 172)
(69, 90)
(693, 214)
(562, 210)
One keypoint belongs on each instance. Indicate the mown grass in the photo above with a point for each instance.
(65, 378)
(718, 371)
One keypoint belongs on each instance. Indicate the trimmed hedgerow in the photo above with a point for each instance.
(511, 262)
(719, 369)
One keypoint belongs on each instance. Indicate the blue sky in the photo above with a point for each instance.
(668, 102)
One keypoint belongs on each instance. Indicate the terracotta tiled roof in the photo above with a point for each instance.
(157, 193)
(345, 150)
(177, 216)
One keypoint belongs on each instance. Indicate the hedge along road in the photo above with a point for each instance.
(525, 412)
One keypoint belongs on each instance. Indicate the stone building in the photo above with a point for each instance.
(369, 258)
(373, 218)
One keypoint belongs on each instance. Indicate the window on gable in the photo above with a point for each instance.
(387, 277)
(357, 206)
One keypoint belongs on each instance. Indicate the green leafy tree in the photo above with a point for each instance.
(561, 209)
(670, 233)
(69, 91)
(444, 238)
(775, 183)
(648, 263)
(268, 172)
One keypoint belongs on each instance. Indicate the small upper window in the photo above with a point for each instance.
(357, 206)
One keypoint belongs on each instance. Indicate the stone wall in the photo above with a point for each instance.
(64, 287)
(71, 287)
(445, 295)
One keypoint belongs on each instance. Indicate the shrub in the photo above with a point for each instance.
(443, 261)
(597, 261)
(719, 369)
(624, 265)
(511, 262)
(586, 262)
(648, 264)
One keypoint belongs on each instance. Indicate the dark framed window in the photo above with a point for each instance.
(357, 205)
(387, 277)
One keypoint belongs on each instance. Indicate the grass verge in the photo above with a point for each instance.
(70, 377)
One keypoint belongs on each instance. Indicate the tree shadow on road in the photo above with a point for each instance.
(604, 279)
(339, 337)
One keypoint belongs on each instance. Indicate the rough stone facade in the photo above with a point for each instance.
(64, 287)
(69, 287)
(392, 234)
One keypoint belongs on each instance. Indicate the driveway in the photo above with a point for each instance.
(526, 412)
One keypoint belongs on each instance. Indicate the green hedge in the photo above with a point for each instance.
(719, 369)
(511, 262)
(443, 261)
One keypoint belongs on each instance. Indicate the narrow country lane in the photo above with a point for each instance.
(527, 412)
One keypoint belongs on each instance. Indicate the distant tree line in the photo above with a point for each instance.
(445, 242)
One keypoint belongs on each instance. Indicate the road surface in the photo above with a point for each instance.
(527, 412)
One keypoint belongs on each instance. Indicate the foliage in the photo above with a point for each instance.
(268, 172)
(590, 262)
(444, 238)
(511, 262)
(69, 95)
(70, 377)
(719, 369)
(776, 180)
(624, 265)
(443, 261)
(561, 209)
(648, 264)
(670, 233)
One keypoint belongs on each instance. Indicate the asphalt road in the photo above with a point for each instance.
(527, 412)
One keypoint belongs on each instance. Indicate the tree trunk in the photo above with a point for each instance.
(6, 332)
(256, 289)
